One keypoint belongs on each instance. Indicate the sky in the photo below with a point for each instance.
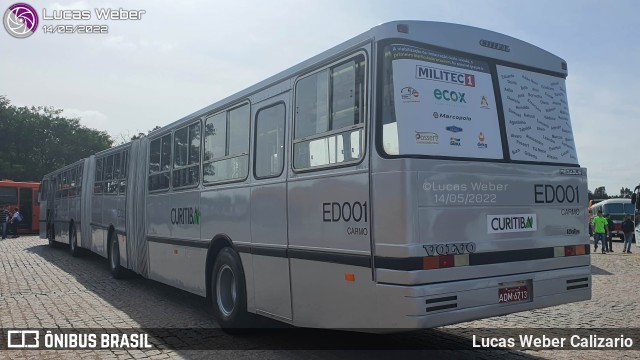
(182, 56)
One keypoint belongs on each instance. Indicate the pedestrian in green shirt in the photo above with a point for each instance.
(599, 231)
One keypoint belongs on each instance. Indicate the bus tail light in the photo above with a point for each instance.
(441, 262)
(571, 250)
(349, 277)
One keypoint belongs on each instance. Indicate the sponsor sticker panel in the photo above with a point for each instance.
(445, 105)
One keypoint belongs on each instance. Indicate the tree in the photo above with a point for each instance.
(124, 138)
(625, 192)
(38, 140)
(600, 193)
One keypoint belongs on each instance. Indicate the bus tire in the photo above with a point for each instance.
(114, 257)
(73, 242)
(229, 295)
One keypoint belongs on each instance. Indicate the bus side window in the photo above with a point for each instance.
(186, 151)
(65, 184)
(226, 145)
(160, 163)
(58, 185)
(79, 183)
(115, 183)
(72, 181)
(269, 149)
(97, 185)
(329, 117)
(108, 175)
(123, 173)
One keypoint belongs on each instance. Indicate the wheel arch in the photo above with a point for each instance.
(218, 243)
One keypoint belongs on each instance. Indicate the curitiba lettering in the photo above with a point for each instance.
(185, 216)
(512, 223)
(335, 212)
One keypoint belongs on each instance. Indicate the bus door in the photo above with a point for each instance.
(42, 215)
(328, 196)
(272, 288)
(26, 205)
(35, 209)
(51, 205)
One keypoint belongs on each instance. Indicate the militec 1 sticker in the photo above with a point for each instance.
(511, 223)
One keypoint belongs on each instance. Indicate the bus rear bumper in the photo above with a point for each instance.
(433, 305)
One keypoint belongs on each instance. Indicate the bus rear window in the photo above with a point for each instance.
(536, 116)
(629, 209)
(615, 208)
(438, 104)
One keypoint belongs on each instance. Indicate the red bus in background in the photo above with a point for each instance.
(24, 196)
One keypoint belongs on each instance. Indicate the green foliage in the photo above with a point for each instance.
(35, 141)
(625, 192)
(600, 193)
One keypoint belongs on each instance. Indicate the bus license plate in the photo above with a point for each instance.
(513, 294)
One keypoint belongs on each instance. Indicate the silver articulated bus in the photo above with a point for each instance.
(417, 175)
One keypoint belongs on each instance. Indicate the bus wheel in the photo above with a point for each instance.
(114, 258)
(73, 242)
(228, 291)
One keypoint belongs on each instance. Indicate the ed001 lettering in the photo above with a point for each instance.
(546, 194)
(346, 211)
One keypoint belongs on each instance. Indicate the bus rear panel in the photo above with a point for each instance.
(479, 204)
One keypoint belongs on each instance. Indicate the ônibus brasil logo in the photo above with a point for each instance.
(20, 20)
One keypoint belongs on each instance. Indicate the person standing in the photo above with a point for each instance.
(16, 218)
(627, 229)
(610, 227)
(4, 220)
(599, 232)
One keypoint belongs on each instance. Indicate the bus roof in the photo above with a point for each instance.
(614, 201)
(31, 184)
(447, 35)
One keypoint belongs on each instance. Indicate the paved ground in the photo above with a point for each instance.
(41, 287)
